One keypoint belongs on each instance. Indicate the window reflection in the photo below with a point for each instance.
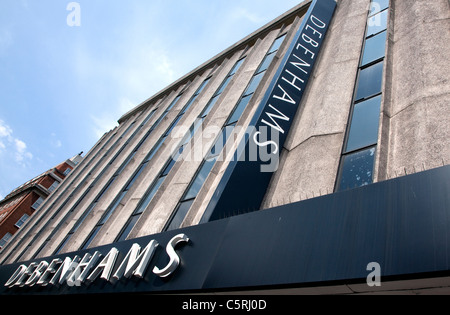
(357, 169)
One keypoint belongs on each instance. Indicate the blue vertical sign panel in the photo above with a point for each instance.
(245, 181)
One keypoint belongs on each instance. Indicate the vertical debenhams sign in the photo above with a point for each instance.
(245, 181)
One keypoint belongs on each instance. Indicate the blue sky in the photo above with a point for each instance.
(62, 87)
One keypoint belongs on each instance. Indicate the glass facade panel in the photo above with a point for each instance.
(364, 125)
(239, 110)
(128, 228)
(377, 23)
(200, 179)
(149, 197)
(370, 79)
(266, 63)
(168, 167)
(236, 66)
(277, 44)
(181, 212)
(224, 85)
(210, 106)
(357, 169)
(254, 83)
(378, 6)
(374, 49)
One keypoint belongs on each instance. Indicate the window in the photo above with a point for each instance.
(377, 23)
(378, 6)
(37, 203)
(364, 125)
(200, 178)
(181, 211)
(242, 105)
(374, 48)
(22, 220)
(5, 239)
(357, 169)
(369, 82)
(53, 186)
(358, 154)
(254, 83)
(67, 171)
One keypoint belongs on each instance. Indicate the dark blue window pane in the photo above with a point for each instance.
(200, 89)
(364, 124)
(173, 125)
(357, 169)
(180, 213)
(91, 238)
(370, 80)
(128, 228)
(236, 66)
(200, 179)
(220, 142)
(155, 149)
(173, 103)
(150, 195)
(224, 85)
(377, 23)
(254, 83)
(266, 63)
(136, 176)
(168, 167)
(113, 207)
(210, 106)
(239, 109)
(374, 49)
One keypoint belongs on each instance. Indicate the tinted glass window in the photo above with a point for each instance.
(200, 179)
(128, 229)
(149, 197)
(168, 167)
(370, 80)
(378, 5)
(364, 124)
(239, 109)
(357, 169)
(236, 66)
(224, 85)
(377, 23)
(254, 83)
(211, 104)
(276, 45)
(374, 49)
(266, 63)
(181, 212)
(173, 125)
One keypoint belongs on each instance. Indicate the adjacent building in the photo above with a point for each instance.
(19, 205)
(307, 157)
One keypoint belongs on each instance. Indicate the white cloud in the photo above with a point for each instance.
(5, 130)
(21, 151)
(13, 145)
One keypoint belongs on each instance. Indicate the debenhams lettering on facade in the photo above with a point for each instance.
(76, 271)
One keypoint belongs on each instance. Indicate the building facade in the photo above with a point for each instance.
(17, 207)
(328, 104)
